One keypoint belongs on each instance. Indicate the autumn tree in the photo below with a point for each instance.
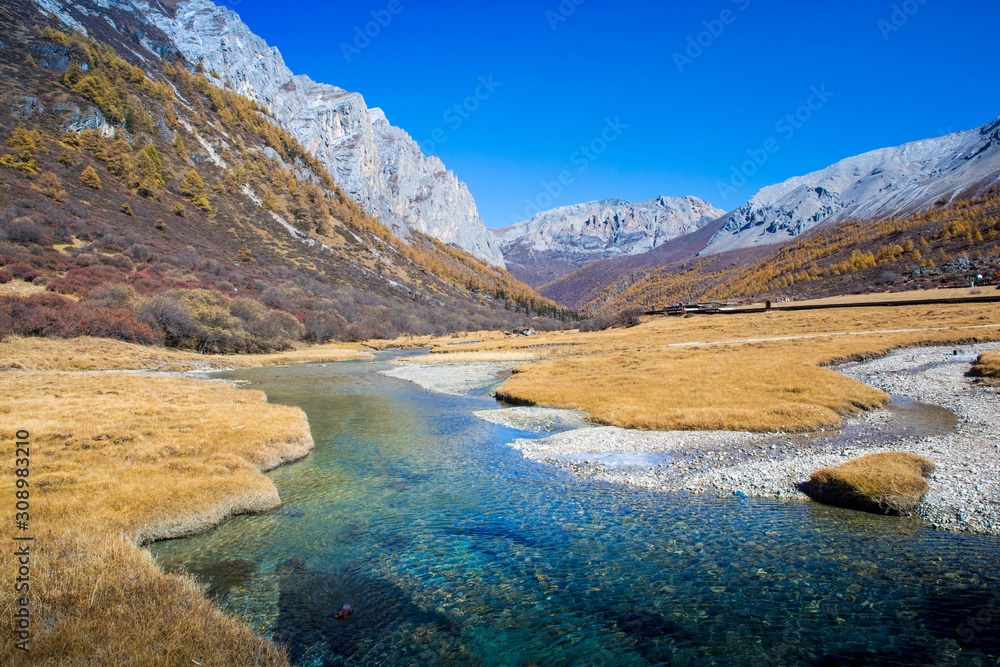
(193, 189)
(179, 146)
(268, 201)
(90, 179)
(95, 144)
(50, 186)
(148, 172)
(121, 163)
(24, 144)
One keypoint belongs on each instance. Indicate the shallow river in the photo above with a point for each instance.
(453, 549)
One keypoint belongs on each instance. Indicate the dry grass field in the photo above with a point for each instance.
(887, 483)
(753, 372)
(99, 354)
(897, 297)
(118, 460)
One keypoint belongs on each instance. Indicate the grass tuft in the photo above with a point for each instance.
(886, 483)
(987, 367)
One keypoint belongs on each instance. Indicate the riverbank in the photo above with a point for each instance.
(763, 373)
(963, 441)
(965, 489)
(102, 354)
(118, 460)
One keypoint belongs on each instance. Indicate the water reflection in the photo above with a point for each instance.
(454, 550)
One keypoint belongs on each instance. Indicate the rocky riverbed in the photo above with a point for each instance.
(454, 379)
(937, 412)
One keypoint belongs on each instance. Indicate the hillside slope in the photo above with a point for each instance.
(167, 209)
(953, 245)
(378, 165)
(898, 181)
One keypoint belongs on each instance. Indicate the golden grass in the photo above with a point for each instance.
(886, 483)
(91, 354)
(754, 372)
(465, 357)
(987, 367)
(456, 339)
(894, 297)
(118, 460)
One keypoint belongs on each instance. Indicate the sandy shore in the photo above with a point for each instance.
(938, 412)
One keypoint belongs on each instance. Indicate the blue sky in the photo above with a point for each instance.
(560, 102)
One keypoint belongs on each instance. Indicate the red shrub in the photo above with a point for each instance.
(55, 316)
(24, 271)
(146, 282)
(4, 277)
(80, 281)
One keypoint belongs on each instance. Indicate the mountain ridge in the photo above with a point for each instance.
(561, 240)
(892, 181)
(377, 164)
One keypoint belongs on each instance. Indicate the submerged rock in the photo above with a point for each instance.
(344, 611)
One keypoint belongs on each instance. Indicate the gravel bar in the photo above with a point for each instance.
(453, 379)
(964, 443)
(962, 439)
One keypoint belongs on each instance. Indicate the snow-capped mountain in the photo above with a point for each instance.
(887, 182)
(377, 164)
(556, 242)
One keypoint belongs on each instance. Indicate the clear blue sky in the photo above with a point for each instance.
(896, 71)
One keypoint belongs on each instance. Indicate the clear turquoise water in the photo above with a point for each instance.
(454, 550)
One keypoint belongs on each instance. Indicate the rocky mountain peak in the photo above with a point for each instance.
(897, 181)
(377, 164)
(556, 242)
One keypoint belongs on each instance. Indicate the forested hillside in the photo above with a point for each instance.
(142, 199)
(951, 245)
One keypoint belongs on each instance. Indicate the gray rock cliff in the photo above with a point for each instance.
(377, 164)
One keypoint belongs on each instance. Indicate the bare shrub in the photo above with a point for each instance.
(142, 253)
(118, 295)
(24, 230)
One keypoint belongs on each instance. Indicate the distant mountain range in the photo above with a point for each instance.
(876, 185)
(382, 168)
(559, 241)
